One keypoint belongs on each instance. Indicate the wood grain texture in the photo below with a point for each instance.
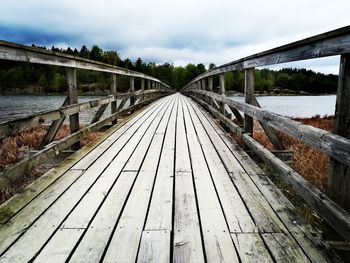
(17, 52)
(334, 145)
(331, 43)
(154, 247)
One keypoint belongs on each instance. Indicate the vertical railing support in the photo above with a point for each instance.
(114, 92)
(142, 88)
(249, 98)
(148, 84)
(339, 177)
(132, 88)
(210, 88)
(222, 92)
(72, 99)
(204, 85)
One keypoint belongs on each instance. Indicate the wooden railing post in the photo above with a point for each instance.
(204, 85)
(210, 83)
(249, 98)
(132, 88)
(148, 84)
(339, 177)
(222, 92)
(114, 92)
(210, 88)
(72, 99)
(142, 88)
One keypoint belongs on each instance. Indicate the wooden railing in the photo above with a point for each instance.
(48, 149)
(334, 207)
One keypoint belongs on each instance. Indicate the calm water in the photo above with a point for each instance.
(298, 106)
(12, 107)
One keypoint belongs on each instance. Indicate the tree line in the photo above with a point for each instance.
(18, 77)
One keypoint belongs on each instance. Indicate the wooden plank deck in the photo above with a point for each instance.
(168, 185)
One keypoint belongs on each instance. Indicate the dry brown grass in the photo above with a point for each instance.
(15, 148)
(312, 164)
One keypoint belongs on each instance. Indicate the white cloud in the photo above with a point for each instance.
(180, 31)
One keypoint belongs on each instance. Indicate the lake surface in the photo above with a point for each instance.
(298, 106)
(16, 106)
(12, 107)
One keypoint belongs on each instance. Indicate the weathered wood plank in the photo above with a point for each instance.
(264, 217)
(331, 43)
(251, 248)
(57, 252)
(125, 241)
(214, 228)
(161, 207)
(80, 160)
(339, 176)
(9, 128)
(53, 129)
(71, 75)
(270, 132)
(249, 87)
(17, 170)
(122, 104)
(334, 145)
(236, 213)
(154, 247)
(99, 113)
(187, 245)
(222, 92)
(306, 237)
(82, 214)
(59, 210)
(97, 236)
(16, 52)
(132, 88)
(237, 115)
(283, 248)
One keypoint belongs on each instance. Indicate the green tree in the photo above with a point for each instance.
(96, 53)
(84, 52)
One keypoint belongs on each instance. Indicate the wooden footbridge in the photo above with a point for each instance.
(166, 182)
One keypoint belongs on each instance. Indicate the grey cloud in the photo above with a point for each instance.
(179, 31)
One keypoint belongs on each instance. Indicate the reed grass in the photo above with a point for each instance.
(15, 148)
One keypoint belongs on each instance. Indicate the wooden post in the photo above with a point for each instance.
(72, 99)
(339, 177)
(249, 98)
(148, 84)
(142, 88)
(222, 92)
(204, 85)
(132, 88)
(114, 92)
(210, 83)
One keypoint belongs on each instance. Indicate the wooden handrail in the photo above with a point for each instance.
(17, 52)
(334, 145)
(331, 43)
(18, 170)
(337, 217)
(12, 127)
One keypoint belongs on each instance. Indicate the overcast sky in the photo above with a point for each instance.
(174, 31)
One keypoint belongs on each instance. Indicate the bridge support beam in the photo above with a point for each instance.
(132, 88)
(339, 177)
(249, 98)
(222, 92)
(114, 92)
(72, 99)
(142, 88)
